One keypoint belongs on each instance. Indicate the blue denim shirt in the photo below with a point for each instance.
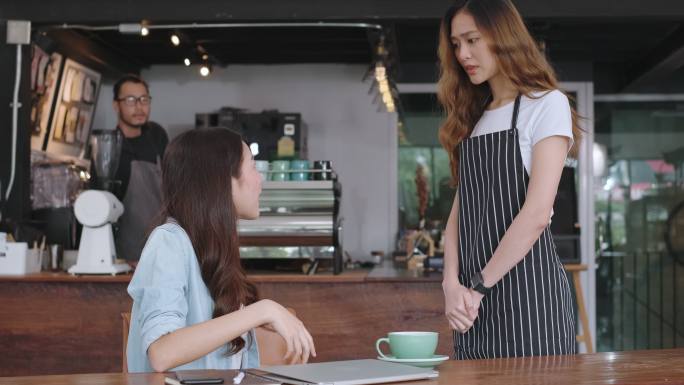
(168, 294)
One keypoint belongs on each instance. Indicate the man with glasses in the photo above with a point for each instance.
(139, 165)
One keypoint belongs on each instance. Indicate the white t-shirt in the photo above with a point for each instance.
(540, 118)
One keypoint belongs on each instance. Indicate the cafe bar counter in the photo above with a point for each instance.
(636, 367)
(55, 323)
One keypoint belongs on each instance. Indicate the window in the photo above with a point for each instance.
(419, 147)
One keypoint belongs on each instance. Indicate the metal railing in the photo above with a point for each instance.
(640, 301)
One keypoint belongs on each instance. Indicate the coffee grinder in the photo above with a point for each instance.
(97, 209)
(106, 151)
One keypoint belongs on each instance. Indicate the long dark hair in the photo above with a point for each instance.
(197, 170)
(517, 56)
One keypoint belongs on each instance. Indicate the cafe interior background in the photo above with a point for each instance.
(358, 78)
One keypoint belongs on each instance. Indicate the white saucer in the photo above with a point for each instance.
(420, 362)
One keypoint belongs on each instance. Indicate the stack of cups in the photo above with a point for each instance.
(280, 170)
(262, 167)
(324, 170)
(302, 167)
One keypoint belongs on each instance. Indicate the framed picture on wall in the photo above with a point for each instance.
(45, 70)
(70, 128)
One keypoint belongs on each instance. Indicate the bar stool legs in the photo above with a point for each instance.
(585, 337)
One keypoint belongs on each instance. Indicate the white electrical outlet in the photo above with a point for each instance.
(18, 32)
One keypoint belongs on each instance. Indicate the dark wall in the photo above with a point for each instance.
(425, 72)
(574, 71)
(18, 205)
(71, 45)
(90, 53)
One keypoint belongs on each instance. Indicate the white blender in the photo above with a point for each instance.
(96, 210)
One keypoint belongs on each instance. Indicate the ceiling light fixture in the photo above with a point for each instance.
(205, 70)
(384, 88)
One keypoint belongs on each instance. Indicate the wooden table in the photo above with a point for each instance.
(636, 367)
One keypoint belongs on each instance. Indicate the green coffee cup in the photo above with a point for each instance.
(410, 345)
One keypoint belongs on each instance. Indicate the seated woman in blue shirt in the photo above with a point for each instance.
(193, 307)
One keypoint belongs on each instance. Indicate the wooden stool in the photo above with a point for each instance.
(125, 325)
(585, 337)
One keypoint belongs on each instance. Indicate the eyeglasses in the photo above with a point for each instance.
(132, 100)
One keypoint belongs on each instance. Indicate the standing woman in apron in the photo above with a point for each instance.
(508, 130)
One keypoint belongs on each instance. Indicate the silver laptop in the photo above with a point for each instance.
(354, 372)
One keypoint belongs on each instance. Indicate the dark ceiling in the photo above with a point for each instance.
(416, 41)
(620, 45)
(243, 45)
(623, 50)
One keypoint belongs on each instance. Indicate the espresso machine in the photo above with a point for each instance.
(299, 222)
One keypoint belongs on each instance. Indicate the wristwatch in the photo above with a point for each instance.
(477, 284)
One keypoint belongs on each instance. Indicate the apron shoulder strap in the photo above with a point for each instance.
(516, 107)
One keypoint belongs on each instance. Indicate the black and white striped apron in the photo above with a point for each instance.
(530, 311)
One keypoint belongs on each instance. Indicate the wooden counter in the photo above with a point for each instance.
(54, 323)
(638, 367)
(349, 276)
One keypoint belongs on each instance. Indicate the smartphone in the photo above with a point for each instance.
(199, 381)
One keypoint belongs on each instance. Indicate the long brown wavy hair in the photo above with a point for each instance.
(197, 170)
(517, 57)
